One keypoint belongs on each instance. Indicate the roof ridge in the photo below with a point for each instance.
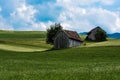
(70, 30)
(72, 35)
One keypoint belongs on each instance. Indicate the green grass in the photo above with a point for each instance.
(22, 34)
(24, 41)
(113, 42)
(31, 43)
(26, 56)
(109, 42)
(90, 63)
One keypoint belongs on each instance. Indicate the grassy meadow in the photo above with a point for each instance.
(26, 56)
(24, 41)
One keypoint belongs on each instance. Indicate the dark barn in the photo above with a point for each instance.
(96, 34)
(66, 38)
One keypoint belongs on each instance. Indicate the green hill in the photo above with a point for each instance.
(22, 34)
(109, 42)
(25, 41)
(26, 56)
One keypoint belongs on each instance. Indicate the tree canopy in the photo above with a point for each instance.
(52, 31)
(100, 35)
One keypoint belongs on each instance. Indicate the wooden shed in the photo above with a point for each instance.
(66, 38)
(92, 35)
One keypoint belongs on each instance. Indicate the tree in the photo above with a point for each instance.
(52, 31)
(100, 35)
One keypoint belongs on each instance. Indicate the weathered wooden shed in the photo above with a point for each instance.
(66, 38)
(92, 35)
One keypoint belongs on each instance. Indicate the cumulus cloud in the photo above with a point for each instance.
(24, 18)
(24, 12)
(79, 15)
(106, 18)
(107, 2)
(4, 24)
(86, 18)
(85, 2)
(21, 16)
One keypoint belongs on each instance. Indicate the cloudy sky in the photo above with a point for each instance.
(78, 15)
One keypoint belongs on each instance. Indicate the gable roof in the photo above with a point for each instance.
(97, 28)
(73, 35)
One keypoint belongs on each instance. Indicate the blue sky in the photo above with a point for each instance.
(77, 15)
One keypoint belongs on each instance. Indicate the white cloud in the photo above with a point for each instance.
(80, 19)
(68, 12)
(42, 26)
(83, 19)
(107, 2)
(24, 13)
(4, 25)
(117, 24)
(84, 2)
(108, 19)
(24, 17)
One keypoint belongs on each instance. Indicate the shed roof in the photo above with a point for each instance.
(97, 28)
(73, 35)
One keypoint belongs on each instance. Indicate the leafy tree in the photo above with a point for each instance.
(52, 31)
(100, 35)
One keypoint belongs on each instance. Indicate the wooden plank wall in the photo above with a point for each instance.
(61, 41)
(73, 43)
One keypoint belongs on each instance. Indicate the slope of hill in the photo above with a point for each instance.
(23, 41)
(110, 42)
(28, 41)
(22, 34)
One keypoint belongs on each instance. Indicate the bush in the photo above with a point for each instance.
(51, 32)
(100, 35)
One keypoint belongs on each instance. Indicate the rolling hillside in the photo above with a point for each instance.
(29, 41)
(23, 41)
(22, 34)
(26, 41)
(26, 56)
(109, 42)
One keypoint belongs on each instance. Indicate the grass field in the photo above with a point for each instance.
(109, 42)
(24, 41)
(29, 58)
(22, 34)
